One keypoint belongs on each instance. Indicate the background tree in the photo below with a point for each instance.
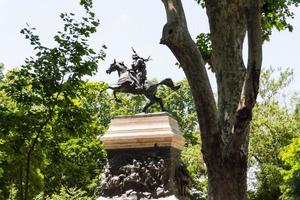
(75, 157)
(224, 125)
(274, 125)
(291, 172)
(45, 85)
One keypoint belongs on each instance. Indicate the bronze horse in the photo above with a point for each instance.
(126, 84)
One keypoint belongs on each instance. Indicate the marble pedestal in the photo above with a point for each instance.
(143, 158)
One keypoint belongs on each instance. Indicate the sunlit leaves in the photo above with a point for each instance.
(65, 193)
(276, 14)
(273, 127)
(204, 45)
(291, 173)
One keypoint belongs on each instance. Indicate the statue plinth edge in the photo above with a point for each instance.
(143, 131)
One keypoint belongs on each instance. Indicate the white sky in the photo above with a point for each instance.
(126, 24)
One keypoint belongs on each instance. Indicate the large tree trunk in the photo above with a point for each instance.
(224, 128)
(227, 179)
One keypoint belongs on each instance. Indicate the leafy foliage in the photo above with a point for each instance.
(275, 14)
(204, 45)
(291, 172)
(65, 193)
(268, 181)
(273, 127)
(42, 107)
(191, 156)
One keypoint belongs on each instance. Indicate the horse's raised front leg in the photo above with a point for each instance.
(116, 98)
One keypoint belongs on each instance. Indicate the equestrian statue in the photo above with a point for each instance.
(134, 81)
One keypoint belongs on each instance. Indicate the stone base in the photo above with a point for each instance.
(142, 131)
(143, 159)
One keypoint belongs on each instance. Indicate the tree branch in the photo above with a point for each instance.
(251, 82)
(176, 36)
(227, 21)
(35, 140)
(29, 154)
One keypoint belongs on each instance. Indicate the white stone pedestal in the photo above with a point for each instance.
(143, 131)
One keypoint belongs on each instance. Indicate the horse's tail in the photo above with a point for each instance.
(168, 82)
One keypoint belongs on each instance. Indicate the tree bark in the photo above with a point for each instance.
(21, 180)
(225, 127)
(31, 149)
(176, 36)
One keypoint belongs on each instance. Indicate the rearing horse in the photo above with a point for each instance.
(126, 84)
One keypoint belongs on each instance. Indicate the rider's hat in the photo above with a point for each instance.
(135, 56)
